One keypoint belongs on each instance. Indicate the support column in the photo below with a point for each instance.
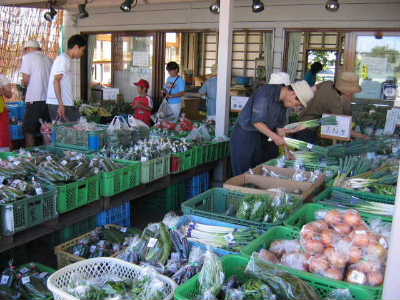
(391, 289)
(224, 67)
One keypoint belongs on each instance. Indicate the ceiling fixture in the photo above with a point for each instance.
(332, 5)
(257, 6)
(82, 11)
(49, 15)
(214, 8)
(379, 35)
(127, 5)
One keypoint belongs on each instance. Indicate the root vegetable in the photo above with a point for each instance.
(352, 218)
(295, 260)
(333, 217)
(318, 264)
(342, 228)
(355, 255)
(314, 246)
(268, 256)
(375, 278)
(359, 238)
(334, 273)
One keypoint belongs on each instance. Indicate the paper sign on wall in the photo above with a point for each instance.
(341, 131)
(238, 102)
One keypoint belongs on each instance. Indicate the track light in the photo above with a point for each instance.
(127, 5)
(49, 16)
(257, 6)
(82, 11)
(214, 8)
(332, 5)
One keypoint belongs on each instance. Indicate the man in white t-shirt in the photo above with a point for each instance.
(60, 98)
(35, 69)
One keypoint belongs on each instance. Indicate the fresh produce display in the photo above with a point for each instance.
(103, 242)
(91, 111)
(12, 189)
(266, 208)
(301, 145)
(145, 287)
(345, 200)
(338, 245)
(299, 175)
(231, 239)
(359, 147)
(330, 120)
(24, 283)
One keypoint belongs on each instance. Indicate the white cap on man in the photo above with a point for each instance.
(280, 78)
(32, 44)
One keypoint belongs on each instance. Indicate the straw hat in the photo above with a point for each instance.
(348, 83)
(303, 92)
(32, 44)
(280, 78)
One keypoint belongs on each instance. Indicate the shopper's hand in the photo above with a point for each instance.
(278, 140)
(61, 111)
(281, 131)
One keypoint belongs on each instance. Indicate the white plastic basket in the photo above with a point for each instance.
(96, 268)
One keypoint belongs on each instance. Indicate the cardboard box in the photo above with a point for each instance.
(307, 190)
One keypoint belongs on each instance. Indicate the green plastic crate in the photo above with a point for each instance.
(72, 139)
(236, 265)
(306, 214)
(120, 180)
(28, 212)
(77, 194)
(6, 155)
(214, 203)
(285, 233)
(153, 169)
(199, 155)
(41, 268)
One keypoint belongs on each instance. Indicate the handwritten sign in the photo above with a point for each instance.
(341, 131)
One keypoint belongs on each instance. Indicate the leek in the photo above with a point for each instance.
(301, 145)
(330, 120)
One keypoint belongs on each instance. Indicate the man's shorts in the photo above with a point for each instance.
(35, 111)
(71, 113)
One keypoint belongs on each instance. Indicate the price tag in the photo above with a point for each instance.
(152, 242)
(143, 158)
(64, 162)
(16, 163)
(341, 131)
(49, 158)
(102, 243)
(310, 146)
(4, 279)
(38, 191)
(24, 270)
(25, 279)
(43, 275)
(124, 229)
(92, 249)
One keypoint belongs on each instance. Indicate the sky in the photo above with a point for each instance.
(366, 43)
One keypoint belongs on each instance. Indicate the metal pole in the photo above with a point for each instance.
(391, 290)
(224, 67)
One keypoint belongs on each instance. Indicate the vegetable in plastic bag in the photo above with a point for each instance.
(211, 276)
(283, 284)
(339, 294)
(255, 289)
(245, 208)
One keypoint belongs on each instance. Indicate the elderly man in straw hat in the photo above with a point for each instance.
(209, 90)
(331, 98)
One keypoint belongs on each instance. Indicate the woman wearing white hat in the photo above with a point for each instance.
(262, 118)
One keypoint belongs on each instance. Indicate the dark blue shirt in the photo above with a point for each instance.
(264, 106)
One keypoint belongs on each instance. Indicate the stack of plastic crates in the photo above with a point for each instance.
(120, 215)
(197, 185)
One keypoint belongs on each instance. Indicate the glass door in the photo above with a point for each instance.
(133, 60)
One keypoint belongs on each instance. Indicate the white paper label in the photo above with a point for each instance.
(4, 279)
(16, 163)
(64, 162)
(25, 279)
(92, 249)
(102, 243)
(2, 179)
(124, 229)
(24, 270)
(43, 275)
(310, 146)
(39, 191)
(143, 159)
(152, 242)
(49, 158)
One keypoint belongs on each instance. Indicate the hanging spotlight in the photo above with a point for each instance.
(257, 6)
(82, 11)
(332, 5)
(214, 8)
(127, 5)
(49, 16)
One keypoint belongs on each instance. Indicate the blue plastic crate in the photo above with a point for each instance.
(13, 111)
(197, 185)
(17, 110)
(21, 111)
(184, 220)
(118, 215)
(17, 132)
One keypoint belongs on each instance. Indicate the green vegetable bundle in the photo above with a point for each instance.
(301, 145)
(330, 120)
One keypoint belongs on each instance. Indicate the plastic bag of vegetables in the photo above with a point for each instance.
(190, 269)
(211, 276)
(283, 284)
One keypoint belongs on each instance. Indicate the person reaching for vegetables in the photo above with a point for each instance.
(142, 104)
(263, 117)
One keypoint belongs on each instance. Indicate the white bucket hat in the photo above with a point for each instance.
(280, 78)
(32, 44)
(303, 92)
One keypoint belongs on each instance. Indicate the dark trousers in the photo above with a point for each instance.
(249, 149)
(307, 135)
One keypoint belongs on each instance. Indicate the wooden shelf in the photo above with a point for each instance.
(82, 213)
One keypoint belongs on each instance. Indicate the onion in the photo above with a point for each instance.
(333, 217)
(334, 273)
(327, 237)
(308, 231)
(335, 258)
(352, 218)
(359, 238)
(342, 228)
(268, 256)
(375, 278)
(318, 264)
(284, 246)
(295, 260)
(376, 251)
(355, 255)
(367, 266)
(319, 225)
(314, 246)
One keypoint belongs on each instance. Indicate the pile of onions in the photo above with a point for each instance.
(339, 245)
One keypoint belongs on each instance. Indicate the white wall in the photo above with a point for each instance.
(278, 15)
